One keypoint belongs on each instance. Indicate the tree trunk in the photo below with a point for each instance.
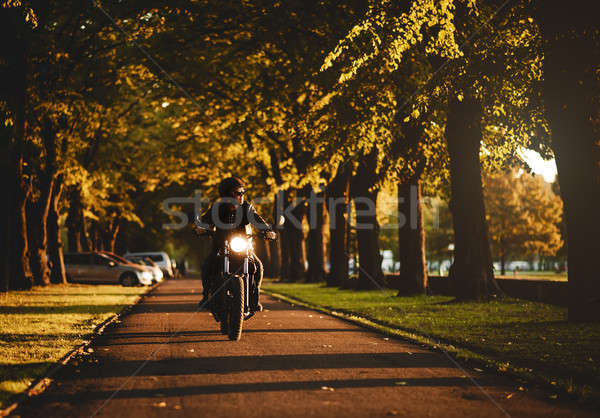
(20, 275)
(411, 238)
(338, 195)
(58, 272)
(370, 275)
(76, 228)
(502, 265)
(41, 207)
(38, 234)
(275, 247)
(263, 252)
(316, 245)
(96, 232)
(111, 232)
(6, 220)
(571, 90)
(295, 239)
(282, 201)
(472, 277)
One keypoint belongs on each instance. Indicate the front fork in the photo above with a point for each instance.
(245, 272)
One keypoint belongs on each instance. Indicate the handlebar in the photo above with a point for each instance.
(267, 235)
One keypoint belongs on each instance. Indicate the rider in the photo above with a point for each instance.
(229, 212)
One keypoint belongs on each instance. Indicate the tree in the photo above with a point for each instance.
(523, 215)
(481, 85)
(571, 89)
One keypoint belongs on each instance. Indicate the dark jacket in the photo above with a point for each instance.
(225, 217)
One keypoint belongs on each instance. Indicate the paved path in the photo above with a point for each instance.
(290, 362)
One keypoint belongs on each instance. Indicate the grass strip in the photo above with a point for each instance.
(530, 341)
(40, 326)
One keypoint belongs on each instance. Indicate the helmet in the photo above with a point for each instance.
(228, 185)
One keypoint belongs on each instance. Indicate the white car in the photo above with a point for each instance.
(147, 261)
(160, 258)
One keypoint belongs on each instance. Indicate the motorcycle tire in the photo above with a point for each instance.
(236, 309)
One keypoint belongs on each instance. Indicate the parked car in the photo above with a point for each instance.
(94, 267)
(147, 262)
(161, 259)
(157, 274)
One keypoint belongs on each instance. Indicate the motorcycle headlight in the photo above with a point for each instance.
(239, 244)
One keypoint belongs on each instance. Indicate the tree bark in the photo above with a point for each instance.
(315, 241)
(41, 207)
(472, 275)
(20, 275)
(275, 247)
(370, 275)
(76, 227)
(111, 232)
(570, 89)
(6, 220)
(411, 238)
(263, 252)
(295, 239)
(58, 272)
(338, 195)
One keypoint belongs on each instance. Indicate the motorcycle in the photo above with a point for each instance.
(231, 286)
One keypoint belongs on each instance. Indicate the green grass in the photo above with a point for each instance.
(40, 326)
(537, 275)
(529, 339)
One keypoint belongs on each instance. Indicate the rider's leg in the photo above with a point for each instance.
(207, 269)
(257, 281)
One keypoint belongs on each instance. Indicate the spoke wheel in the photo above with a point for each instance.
(235, 317)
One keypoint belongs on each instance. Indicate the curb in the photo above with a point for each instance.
(476, 361)
(39, 385)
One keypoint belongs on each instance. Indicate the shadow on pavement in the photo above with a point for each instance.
(260, 387)
(233, 364)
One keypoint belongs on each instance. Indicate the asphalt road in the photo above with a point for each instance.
(167, 359)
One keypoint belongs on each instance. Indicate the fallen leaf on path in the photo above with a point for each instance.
(555, 396)
(386, 339)
(510, 395)
(401, 383)
(177, 407)
(478, 370)
(191, 350)
(392, 412)
(522, 389)
(327, 388)
(162, 404)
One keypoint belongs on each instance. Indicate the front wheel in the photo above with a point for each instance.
(235, 316)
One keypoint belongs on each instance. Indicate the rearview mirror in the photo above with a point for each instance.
(280, 221)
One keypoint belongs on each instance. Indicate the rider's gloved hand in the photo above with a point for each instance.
(270, 235)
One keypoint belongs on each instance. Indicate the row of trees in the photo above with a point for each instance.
(124, 104)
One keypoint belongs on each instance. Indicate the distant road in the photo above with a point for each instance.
(290, 362)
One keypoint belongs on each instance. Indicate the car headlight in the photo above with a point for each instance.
(146, 275)
(239, 244)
